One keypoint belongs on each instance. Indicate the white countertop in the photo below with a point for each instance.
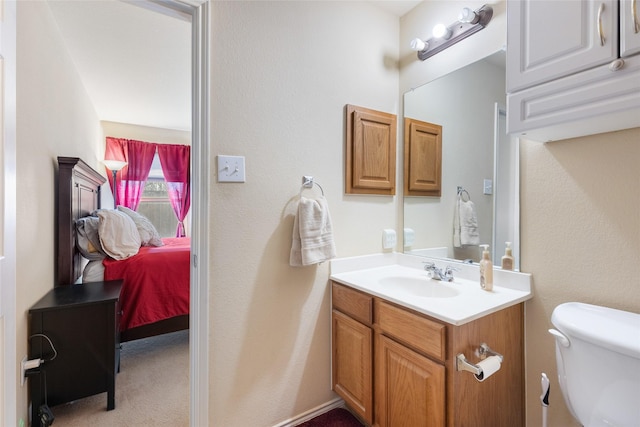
(461, 301)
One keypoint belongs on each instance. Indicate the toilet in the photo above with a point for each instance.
(598, 361)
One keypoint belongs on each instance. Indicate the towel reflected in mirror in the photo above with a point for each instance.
(465, 222)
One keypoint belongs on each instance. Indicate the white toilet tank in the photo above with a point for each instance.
(598, 358)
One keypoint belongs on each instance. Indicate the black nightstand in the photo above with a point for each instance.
(82, 322)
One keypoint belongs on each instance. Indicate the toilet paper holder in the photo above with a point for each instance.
(484, 351)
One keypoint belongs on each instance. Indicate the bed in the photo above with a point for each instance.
(155, 299)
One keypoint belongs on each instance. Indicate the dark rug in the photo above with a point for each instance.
(338, 417)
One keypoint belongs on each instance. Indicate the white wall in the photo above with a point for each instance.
(54, 118)
(580, 231)
(282, 74)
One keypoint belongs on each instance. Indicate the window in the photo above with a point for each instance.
(155, 204)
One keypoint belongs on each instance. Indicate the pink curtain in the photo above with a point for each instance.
(130, 180)
(176, 167)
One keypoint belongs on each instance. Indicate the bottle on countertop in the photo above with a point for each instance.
(486, 269)
(507, 259)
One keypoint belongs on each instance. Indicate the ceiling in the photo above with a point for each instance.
(135, 62)
(399, 7)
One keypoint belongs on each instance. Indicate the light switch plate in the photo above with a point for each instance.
(487, 186)
(231, 169)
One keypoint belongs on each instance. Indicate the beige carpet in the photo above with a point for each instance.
(152, 388)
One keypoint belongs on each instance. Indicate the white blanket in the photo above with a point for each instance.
(312, 240)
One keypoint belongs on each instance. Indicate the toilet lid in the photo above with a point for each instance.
(613, 329)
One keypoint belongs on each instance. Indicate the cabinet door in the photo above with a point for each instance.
(594, 101)
(371, 151)
(549, 39)
(410, 388)
(629, 27)
(83, 365)
(352, 364)
(422, 158)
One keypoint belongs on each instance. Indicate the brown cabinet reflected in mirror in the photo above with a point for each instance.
(422, 158)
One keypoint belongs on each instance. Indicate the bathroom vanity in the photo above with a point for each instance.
(396, 363)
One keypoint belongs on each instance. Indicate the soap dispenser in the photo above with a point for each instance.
(486, 269)
(507, 259)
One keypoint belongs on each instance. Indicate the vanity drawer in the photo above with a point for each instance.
(352, 302)
(420, 333)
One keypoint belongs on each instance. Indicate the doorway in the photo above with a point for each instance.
(198, 10)
(194, 39)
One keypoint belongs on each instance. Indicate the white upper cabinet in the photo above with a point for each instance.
(573, 67)
(550, 39)
(629, 27)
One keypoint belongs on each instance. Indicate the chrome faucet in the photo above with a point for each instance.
(435, 273)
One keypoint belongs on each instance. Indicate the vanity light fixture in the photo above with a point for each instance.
(114, 166)
(469, 22)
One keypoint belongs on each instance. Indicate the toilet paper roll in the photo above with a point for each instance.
(489, 366)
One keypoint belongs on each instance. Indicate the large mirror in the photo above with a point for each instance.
(479, 163)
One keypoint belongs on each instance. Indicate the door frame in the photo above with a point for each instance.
(8, 359)
(200, 177)
(199, 11)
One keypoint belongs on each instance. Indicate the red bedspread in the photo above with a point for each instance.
(156, 282)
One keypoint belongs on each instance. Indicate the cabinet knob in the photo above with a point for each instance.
(616, 64)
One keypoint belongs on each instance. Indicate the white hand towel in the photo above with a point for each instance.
(312, 233)
(295, 257)
(465, 224)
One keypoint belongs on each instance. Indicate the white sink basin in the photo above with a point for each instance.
(418, 287)
(456, 302)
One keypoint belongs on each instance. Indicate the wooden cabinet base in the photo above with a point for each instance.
(409, 387)
(410, 359)
(352, 376)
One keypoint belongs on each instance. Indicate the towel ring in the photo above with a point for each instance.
(307, 182)
(462, 192)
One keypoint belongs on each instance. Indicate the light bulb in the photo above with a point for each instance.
(418, 45)
(468, 16)
(440, 31)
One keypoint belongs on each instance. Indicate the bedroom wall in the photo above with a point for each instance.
(280, 82)
(147, 134)
(54, 118)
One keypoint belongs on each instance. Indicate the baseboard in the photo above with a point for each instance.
(312, 413)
